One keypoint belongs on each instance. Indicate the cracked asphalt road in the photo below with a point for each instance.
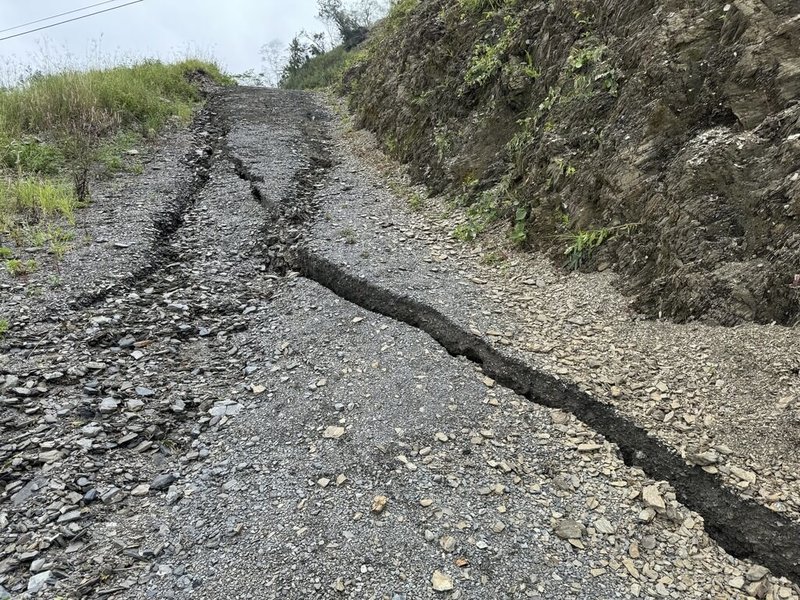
(302, 446)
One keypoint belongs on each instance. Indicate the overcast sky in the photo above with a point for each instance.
(233, 31)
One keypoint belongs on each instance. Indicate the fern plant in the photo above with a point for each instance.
(583, 243)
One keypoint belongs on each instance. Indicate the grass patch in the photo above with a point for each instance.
(349, 235)
(582, 244)
(28, 201)
(493, 258)
(4, 326)
(28, 154)
(142, 96)
(416, 201)
(114, 154)
(20, 268)
(55, 129)
(487, 59)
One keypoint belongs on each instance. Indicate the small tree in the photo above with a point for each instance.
(304, 47)
(352, 28)
(80, 137)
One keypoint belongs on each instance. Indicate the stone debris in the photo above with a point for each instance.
(653, 499)
(333, 432)
(379, 504)
(441, 582)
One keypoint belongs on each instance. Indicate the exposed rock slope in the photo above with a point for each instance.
(672, 126)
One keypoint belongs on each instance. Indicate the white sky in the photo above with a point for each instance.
(232, 31)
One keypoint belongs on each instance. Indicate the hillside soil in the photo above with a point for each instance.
(206, 408)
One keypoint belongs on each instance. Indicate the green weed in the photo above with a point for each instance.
(585, 56)
(482, 6)
(488, 58)
(349, 235)
(493, 258)
(6, 253)
(582, 244)
(530, 68)
(416, 201)
(113, 153)
(519, 233)
(441, 139)
(467, 232)
(4, 327)
(489, 207)
(559, 169)
(30, 155)
(28, 201)
(19, 268)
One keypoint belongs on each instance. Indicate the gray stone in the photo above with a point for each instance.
(567, 529)
(756, 573)
(37, 583)
(70, 516)
(134, 405)
(109, 495)
(50, 456)
(108, 405)
(163, 481)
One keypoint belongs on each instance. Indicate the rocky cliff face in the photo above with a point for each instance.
(665, 133)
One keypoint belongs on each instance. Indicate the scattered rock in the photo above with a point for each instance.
(140, 490)
(448, 543)
(38, 582)
(653, 499)
(603, 525)
(379, 504)
(440, 582)
(333, 432)
(567, 529)
(107, 405)
(756, 573)
(162, 482)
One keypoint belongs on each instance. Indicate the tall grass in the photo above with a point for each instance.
(143, 96)
(55, 127)
(27, 201)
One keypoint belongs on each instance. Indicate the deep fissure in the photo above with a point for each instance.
(744, 528)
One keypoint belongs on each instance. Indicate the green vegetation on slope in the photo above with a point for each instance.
(141, 96)
(55, 128)
(318, 60)
(318, 71)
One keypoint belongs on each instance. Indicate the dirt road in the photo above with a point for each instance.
(253, 381)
